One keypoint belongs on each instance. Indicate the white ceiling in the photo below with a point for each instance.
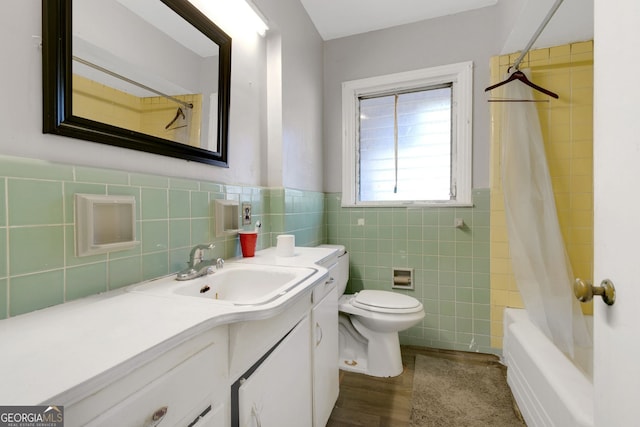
(341, 18)
(572, 22)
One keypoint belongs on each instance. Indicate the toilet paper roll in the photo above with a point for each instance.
(286, 244)
(402, 280)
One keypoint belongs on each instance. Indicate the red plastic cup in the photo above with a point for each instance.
(248, 241)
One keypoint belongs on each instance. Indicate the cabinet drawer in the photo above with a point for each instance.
(201, 359)
(325, 287)
(185, 391)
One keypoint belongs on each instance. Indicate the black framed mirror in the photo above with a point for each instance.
(145, 75)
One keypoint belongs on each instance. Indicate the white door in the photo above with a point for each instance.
(617, 211)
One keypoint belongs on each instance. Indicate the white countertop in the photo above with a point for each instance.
(48, 352)
(302, 257)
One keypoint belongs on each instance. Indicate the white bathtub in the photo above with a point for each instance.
(549, 389)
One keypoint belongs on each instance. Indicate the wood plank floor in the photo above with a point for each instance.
(366, 401)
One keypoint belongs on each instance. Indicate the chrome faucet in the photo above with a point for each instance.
(197, 266)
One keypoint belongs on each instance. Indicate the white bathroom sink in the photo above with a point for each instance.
(236, 284)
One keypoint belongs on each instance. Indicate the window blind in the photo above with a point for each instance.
(405, 146)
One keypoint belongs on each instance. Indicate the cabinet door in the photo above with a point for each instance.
(325, 358)
(278, 393)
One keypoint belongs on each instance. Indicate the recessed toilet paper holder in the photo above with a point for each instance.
(402, 278)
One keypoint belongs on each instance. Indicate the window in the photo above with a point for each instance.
(407, 138)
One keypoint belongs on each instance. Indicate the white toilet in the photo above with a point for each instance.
(369, 323)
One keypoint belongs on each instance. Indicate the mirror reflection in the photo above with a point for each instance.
(149, 75)
(155, 74)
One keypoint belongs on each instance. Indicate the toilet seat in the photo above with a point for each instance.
(385, 302)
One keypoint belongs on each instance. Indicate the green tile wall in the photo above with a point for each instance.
(297, 212)
(451, 265)
(38, 265)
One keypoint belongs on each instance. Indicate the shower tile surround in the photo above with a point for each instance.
(567, 130)
(38, 266)
(149, 114)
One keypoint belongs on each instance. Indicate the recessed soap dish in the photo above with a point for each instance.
(227, 215)
(104, 223)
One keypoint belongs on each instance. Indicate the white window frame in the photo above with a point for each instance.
(460, 75)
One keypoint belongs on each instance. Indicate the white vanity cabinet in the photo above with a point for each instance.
(324, 317)
(187, 385)
(135, 359)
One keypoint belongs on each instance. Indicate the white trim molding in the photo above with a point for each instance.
(460, 75)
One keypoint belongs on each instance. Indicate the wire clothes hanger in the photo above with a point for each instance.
(519, 75)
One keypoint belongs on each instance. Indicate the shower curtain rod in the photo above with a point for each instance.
(544, 23)
(519, 75)
(133, 82)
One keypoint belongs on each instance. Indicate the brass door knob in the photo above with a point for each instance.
(585, 291)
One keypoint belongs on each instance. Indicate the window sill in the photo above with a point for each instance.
(409, 205)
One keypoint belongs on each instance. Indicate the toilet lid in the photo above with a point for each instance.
(385, 302)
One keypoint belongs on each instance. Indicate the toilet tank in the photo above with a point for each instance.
(340, 272)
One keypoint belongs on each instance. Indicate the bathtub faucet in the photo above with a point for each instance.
(197, 265)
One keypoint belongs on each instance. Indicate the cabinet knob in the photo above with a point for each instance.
(157, 417)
